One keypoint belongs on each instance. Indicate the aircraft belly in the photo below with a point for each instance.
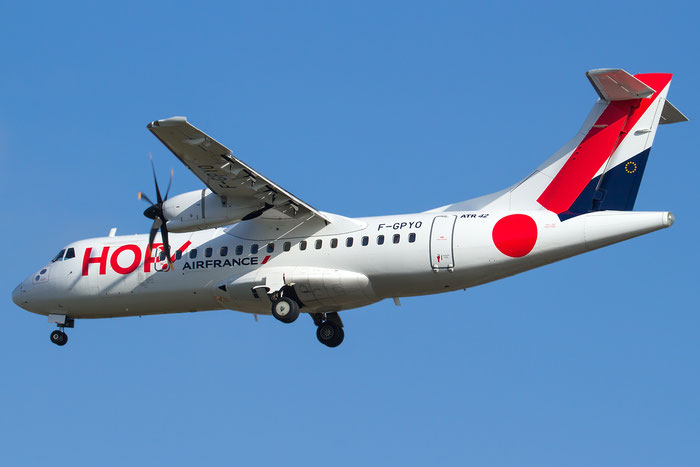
(318, 289)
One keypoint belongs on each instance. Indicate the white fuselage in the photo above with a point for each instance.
(421, 254)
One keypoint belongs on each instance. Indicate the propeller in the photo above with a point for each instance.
(155, 212)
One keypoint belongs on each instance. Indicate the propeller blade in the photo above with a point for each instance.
(155, 179)
(155, 212)
(166, 244)
(172, 173)
(143, 196)
(154, 230)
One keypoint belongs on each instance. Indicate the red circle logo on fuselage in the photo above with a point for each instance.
(515, 235)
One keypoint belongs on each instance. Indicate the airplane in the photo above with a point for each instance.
(244, 243)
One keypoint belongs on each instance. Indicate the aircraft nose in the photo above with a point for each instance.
(19, 295)
(15, 294)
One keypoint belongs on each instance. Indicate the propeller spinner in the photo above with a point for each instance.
(155, 212)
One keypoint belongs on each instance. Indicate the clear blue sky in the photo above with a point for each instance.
(360, 109)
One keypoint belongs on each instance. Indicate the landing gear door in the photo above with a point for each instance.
(441, 242)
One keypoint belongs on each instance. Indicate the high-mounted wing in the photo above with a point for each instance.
(224, 174)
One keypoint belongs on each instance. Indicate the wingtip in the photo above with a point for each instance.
(172, 121)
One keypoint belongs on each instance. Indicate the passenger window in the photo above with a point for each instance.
(397, 238)
(223, 251)
(70, 253)
(287, 246)
(208, 252)
(254, 249)
(59, 256)
(411, 238)
(334, 243)
(365, 241)
(193, 253)
(348, 242)
(302, 245)
(270, 247)
(178, 255)
(161, 257)
(319, 244)
(380, 239)
(239, 250)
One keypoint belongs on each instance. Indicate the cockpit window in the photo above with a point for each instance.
(70, 253)
(59, 256)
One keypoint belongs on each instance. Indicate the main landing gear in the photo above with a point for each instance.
(285, 307)
(59, 336)
(330, 328)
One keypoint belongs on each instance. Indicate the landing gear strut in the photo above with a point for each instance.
(330, 328)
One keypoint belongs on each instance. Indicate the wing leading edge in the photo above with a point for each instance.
(224, 174)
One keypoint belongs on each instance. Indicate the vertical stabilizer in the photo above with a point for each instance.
(601, 168)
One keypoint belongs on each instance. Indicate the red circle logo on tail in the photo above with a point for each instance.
(515, 235)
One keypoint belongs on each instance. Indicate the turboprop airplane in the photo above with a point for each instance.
(244, 243)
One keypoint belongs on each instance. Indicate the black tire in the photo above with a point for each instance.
(330, 334)
(285, 309)
(59, 337)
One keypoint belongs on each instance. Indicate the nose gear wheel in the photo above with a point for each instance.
(59, 337)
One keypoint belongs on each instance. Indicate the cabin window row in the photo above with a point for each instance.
(287, 246)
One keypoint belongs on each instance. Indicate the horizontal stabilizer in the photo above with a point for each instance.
(670, 114)
(615, 84)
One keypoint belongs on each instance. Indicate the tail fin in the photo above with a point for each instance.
(605, 169)
(601, 168)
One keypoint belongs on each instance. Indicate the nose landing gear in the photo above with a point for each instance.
(59, 336)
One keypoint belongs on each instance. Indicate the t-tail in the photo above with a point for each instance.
(601, 168)
(604, 169)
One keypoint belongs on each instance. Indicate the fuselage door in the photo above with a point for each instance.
(441, 242)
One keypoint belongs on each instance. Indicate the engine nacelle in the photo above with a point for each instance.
(203, 209)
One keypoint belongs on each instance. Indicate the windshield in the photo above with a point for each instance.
(64, 255)
(59, 256)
